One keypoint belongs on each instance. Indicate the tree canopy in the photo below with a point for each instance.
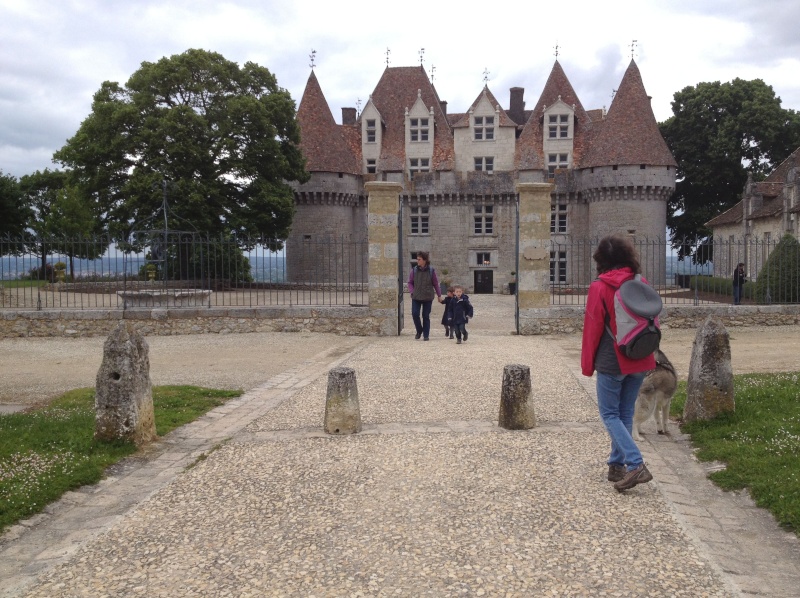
(14, 213)
(225, 137)
(719, 132)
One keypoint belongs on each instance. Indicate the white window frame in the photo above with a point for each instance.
(372, 134)
(420, 220)
(556, 161)
(372, 167)
(561, 265)
(483, 220)
(558, 218)
(558, 126)
(485, 163)
(483, 128)
(418, 128)
(483, 258)
(418, 165)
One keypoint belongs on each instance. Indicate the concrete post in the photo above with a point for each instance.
(383, 205)
(342, 410)
(516, 402)
(533, 278)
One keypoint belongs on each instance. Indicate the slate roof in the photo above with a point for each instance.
(396, 91)
(530, 152)
(323, 143)
(630, 134)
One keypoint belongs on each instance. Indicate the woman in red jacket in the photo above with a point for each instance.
(618, 377)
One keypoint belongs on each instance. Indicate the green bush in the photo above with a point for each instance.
(779, 279)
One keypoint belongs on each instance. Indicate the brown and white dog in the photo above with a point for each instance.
(655, 396)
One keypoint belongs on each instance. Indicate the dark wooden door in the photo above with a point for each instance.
(483, 282)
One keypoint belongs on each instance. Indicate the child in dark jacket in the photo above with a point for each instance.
(448, 332)
(460, 310)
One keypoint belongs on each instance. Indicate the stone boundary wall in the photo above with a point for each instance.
(353, 321)
(569, 319)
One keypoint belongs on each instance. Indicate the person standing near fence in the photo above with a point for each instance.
(738, 283)
(423, 285)
(618, 376)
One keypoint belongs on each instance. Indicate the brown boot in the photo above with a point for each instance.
(616, 472)
(640, 475)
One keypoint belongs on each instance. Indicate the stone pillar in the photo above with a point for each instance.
(384, 283)
(709, 387)
(123, 401)
(516, 401)
(342, 410)
(533, 277)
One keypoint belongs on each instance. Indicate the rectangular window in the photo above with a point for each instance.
(419, 221)
(371, 166)
(484, 128)
(484, 220)
(556, 161)
(558, 218)
(558, 267)
(418, 165)
(483, 259)
(370, 130)
(419, 129)
(485, 164)
(413, 259)
(558, 126)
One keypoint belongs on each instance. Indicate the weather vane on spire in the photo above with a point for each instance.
(633, 47)
(486, 75)
(358, 106)
(421, 56)
(388, 51)
(433, 71)
(556, 50)
(312, 57)
(613, 93)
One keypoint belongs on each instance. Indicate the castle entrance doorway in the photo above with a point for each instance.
(483, 283)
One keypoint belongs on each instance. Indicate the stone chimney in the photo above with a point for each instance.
(443, 106)
(348, 116)
(516, 109)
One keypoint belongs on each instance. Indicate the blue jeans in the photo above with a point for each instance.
(737, 294)
(424, 326)
(616, 398)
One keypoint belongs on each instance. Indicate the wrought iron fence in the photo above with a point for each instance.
(704, 276)
(172, 269)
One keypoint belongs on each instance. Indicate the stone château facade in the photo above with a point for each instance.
(611, 172)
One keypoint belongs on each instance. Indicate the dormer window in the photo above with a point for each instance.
(486, 164)
(418, 165)
(556, 161)
(371, 169)
(371, 135)
(558, 126)
(484, 128)
(419, 129)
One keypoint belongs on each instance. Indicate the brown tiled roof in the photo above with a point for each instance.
(767, 188)
(773, 207)
(630, 134)
(322, 141)
(730, 216)
(530, 153)
(781, 172)
(505, 120)
(396, 91)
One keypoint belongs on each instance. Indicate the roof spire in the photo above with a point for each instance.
(556, 50)
(421, 56)
(388, 51)
(486, 76)
(433, 71)
(312, 57)
(633, 47)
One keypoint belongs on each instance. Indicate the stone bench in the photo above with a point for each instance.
(164, 297)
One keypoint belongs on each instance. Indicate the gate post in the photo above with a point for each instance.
(384, 284)
(533, 275)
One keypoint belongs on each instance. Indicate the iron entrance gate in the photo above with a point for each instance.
(400, 273)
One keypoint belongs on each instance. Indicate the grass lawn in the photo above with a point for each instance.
(759, 442)
(46, 452)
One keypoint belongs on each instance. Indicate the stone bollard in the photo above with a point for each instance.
(709, 388)
(342, 411)
(123, 402)
(516, 402)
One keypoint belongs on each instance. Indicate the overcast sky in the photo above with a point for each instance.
(55, 54)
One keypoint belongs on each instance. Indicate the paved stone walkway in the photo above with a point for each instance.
(432, 498)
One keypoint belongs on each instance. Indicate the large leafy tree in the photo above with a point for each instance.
(14, 213)
(225, 137)
(719, 132)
